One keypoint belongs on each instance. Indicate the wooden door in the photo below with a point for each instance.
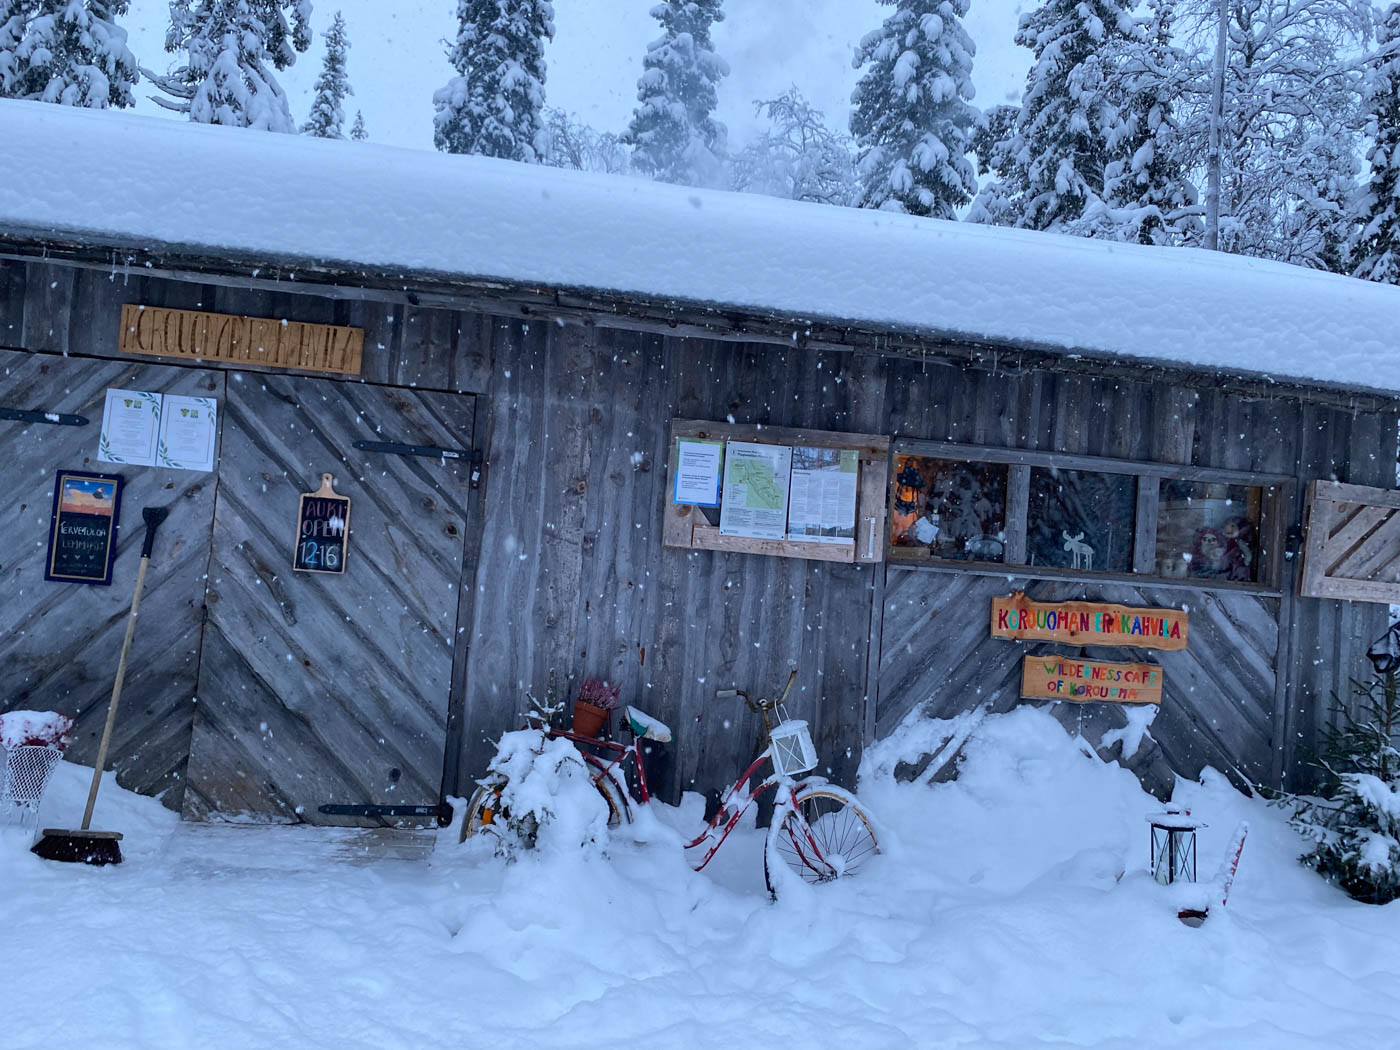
(60, 642)
(329, 688)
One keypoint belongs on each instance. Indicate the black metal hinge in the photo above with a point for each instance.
(398, 448)
(57, 419)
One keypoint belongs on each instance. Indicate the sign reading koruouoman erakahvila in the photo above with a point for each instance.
(1087, 623)
(1052, 677)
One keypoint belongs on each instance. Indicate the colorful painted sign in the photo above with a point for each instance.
(1053, 677)
(1087, 623)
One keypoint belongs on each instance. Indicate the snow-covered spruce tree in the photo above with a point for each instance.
(332, 86)
(799, 157)
(357, 129)
(912, 114)
(1355, 828)
(672, 133)
(71, 52)
(230, 49)
(1147, 194)
(495, 105)
(13, 14)
(1061, 142)
(1377, 251)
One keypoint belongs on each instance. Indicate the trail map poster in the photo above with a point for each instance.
(83, 528)
(755, 490)
(822, 499)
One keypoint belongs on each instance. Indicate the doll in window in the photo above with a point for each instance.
(1208, 557)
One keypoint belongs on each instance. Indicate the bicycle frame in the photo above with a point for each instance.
(733, 806)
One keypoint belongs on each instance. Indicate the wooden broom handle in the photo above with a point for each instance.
(117, 685)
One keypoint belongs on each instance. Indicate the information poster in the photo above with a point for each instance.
(822, 499)
(130, 427)
(158, 430)
(188, 428)
(697, 471)
(756, 481)
(83, 529)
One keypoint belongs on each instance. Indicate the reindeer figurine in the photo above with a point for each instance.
(1083, 554)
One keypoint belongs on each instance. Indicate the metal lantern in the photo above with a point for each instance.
(1174, 845)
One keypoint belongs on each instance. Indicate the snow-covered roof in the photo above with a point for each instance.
(109, 178)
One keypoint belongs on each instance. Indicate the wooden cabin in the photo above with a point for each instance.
(1207, 438)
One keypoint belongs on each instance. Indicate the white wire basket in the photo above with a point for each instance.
(24, 774)
(793, 751)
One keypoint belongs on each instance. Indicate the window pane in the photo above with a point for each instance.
(1208, 530)
(1081, 520)
(949, 508)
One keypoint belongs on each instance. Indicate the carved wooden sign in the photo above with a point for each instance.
(195, 334)
(1053, 677)
(323, 529)
(1087, 623)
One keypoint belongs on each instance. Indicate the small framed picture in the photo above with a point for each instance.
(83, 528)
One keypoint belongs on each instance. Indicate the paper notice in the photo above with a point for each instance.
(130, 423)
(822, 503)
(697, 471)
(755, 490)
(188, 427)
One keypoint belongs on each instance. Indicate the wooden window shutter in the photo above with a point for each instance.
(1353, 543)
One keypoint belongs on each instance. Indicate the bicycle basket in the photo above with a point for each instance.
(793, 751)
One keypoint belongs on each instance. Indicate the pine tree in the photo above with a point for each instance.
(494, 106)
(13, 15)
(1147, 194)
(1378, 248)
(1355, 827)
(70, 52)
(672, 132)
(332, 86)
(357, 129)
(912, 115)
(1061, 143)
(231, 48)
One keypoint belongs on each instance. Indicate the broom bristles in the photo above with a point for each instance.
(79, 847)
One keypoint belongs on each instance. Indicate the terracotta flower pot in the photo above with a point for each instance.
(588, 719)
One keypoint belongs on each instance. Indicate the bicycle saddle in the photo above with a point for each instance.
(643, 725)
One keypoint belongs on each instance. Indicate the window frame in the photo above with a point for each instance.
(1277, 496)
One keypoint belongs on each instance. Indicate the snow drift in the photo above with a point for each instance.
(996, 918)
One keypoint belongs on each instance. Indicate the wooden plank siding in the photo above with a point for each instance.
(572, 578)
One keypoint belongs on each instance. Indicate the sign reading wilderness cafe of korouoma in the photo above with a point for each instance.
(1051, 676)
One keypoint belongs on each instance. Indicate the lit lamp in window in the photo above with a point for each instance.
(1174, 845)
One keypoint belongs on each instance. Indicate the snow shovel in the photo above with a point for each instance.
(84, 844)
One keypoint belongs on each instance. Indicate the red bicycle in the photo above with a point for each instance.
(818, 832)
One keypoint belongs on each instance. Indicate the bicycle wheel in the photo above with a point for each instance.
(486, 814)
(842, 838)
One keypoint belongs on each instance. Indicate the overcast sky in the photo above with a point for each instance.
(397, 57)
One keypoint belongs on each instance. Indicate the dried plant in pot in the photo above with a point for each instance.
(594, 706)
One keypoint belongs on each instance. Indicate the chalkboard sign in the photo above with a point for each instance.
(323, 527)
(83, 528)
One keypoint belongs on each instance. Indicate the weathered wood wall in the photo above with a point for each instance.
(572, 579)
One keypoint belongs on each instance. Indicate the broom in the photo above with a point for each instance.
(83, 844)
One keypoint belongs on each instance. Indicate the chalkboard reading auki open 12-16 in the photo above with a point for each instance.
(323, 530)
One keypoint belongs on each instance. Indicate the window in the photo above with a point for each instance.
(1061, 516)
(1208, 530)
(1078, 519)
(950, 509)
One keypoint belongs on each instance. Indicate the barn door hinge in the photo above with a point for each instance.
(398, 448)
(58, 419)
(436, 812)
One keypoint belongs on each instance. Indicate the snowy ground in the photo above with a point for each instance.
(995, 919)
